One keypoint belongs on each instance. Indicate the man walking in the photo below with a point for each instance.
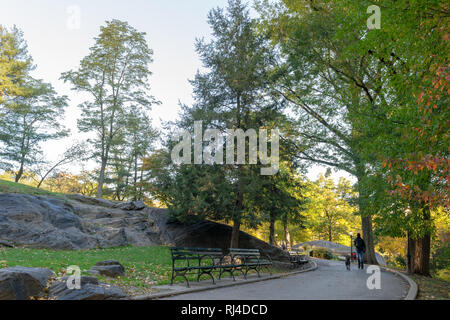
(360, 246)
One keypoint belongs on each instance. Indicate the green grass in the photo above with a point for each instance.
(145, 266)
(13, 187)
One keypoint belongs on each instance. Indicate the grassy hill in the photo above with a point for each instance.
(13, 187)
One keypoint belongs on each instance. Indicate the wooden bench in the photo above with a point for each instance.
(244, 260)
(297, 258)
(200, 261)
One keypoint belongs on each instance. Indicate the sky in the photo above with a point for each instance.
(59, 34)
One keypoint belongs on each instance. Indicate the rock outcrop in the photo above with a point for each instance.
(21, 283)
(336, 248)
(79, 222)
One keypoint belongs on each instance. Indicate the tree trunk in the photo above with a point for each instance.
(369, 255)
(19, 173)
(420, 249)
(287, 235)
(366, 224)
(135, 177)
(408, 254)
(272, 230)
(235, 233)
(101, 178)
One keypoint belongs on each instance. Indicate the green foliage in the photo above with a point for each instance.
(232, 93)
(115, 74)
(331, 213)
(35, 118)
(322, 253)
(15, 64)
(440, 260)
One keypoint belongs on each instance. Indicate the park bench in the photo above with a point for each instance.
(297, 258)
(244, 260)
(200, 261)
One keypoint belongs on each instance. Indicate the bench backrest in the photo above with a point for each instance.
(245, 255)
(199, 254)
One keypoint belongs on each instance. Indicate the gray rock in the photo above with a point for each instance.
(108, 263)
(90, 289)
(131, 206)
(109, 270)
(4, 243)
(21, 283)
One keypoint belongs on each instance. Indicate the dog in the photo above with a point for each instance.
(347, 262)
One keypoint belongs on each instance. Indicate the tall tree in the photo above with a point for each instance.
(233, 94)
(35, 118)
(326, 89)
(115, 74)
(412, 47)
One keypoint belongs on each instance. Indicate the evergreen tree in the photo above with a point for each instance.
(15, 64)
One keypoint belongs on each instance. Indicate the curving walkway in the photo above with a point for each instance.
(331, 281)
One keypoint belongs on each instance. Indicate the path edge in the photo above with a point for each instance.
(156, 296)
(413, 288)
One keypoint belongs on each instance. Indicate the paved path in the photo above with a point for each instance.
(331, 281)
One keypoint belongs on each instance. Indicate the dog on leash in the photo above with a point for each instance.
(347, 262)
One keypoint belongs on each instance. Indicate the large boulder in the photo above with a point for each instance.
(90, 289)
(109, 268)
(21, 283)
(41, 222)
(79, 222)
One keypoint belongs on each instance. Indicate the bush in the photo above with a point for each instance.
(441, 257)
(322, 253)
(399, 261)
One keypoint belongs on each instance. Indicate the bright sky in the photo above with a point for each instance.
(59, 34)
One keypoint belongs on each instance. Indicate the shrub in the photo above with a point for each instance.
(322, 253)
(399, 261)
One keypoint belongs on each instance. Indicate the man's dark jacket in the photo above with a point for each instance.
(360, 245)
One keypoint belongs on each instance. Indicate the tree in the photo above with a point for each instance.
(278, 197)
(73, 153)
(136, 143)
(330, 212)
(231, 94)
(115, 74)
(35, 118)
(412, 48)
(15, 64)
(326, 89)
